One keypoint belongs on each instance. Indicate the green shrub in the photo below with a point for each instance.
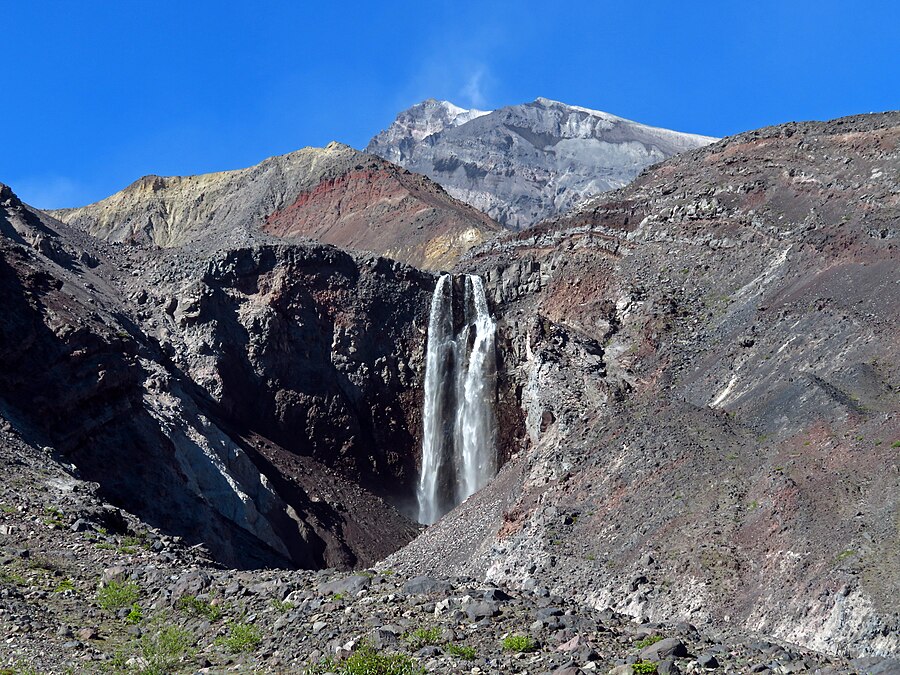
(135, 615)
(422, 637)
(116, 595)
(366, 660)
(242, 637)
(519, 643)
(283, 606)
(465, 652)
(64, 585)
(202, 608)
(644, 667)
(647, 641)
(165, 649)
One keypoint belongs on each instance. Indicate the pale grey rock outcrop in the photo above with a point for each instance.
(524, 163)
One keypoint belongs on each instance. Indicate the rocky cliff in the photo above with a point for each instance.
(239, 399)
(334, 195)
(523, 163)
(707, 365)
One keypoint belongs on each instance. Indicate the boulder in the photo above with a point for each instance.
(424, 585)
(664, 648)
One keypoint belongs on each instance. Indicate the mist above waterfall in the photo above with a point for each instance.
(459, 448)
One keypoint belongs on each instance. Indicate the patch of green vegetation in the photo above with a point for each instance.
(54, 516)
(895, 444)
(162, 650)
(366, 660)
(165, 650)
(45, 564)
(202, 608)
(116, 595)
(519, 643)
(754, 505)
(591, 557)
(423, 637)
(13, 577)
(283, 606)
(242, 637)
(134, 542)
(104, 546)
(843, 555)
(644, 667)
(135, 615)
(465, 652)
(6, 508)
(647, 641)
(21, 668)
(337, 597)
(64, 585)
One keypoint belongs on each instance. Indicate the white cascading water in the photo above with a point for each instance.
(459, 454)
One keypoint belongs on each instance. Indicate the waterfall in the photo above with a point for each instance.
(459, 454)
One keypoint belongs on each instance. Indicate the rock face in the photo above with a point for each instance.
(707, 364)
(236, 398)
(524, 163)
(335, 195)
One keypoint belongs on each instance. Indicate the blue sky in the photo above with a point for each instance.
(98, 93)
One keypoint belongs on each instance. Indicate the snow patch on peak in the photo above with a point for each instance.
(417, 123)
(460, 115)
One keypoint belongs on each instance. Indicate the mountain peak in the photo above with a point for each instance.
(417, 123)
(554, 155)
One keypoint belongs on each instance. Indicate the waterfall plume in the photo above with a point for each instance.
(459, 454)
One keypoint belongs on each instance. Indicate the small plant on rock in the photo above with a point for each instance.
(116, 595)
(54, 517)
(465, 652)
(64, 585)
(519, 643)
(282, 606)
(647, 641)
(135, 615)
(643, 667)
(423, 637)
(242, 637)
(201, 608)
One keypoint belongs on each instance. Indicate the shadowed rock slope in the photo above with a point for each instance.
(707, 364)
(524, 163)
(334, 195)
(238, 399)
